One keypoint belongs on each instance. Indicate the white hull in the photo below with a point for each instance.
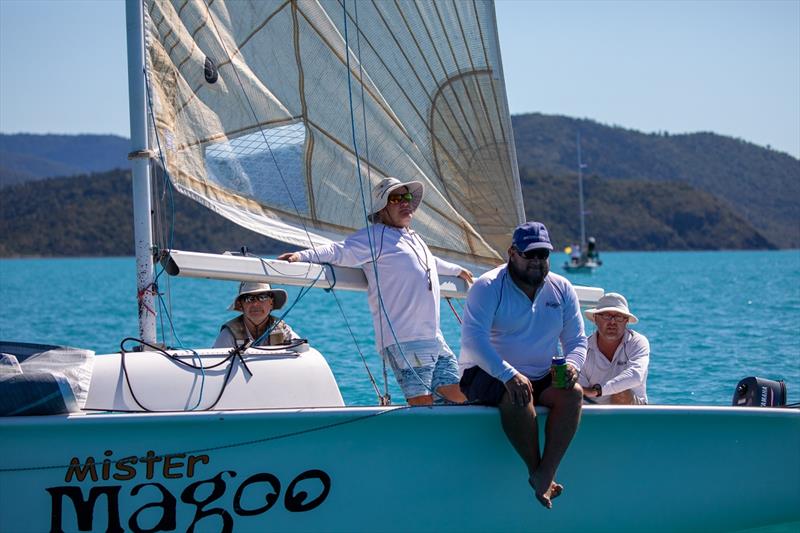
(403, 469)
(586, 266)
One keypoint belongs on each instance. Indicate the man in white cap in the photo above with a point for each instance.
(403, 289)
(616, 364)
(515, 317)
(256, 301)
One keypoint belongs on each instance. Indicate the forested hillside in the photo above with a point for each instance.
(637, 214)
(26, 157)
(643, 191)
(91, 215)
(762, 185)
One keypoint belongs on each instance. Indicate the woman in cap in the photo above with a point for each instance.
(403, 292)
(256, 301)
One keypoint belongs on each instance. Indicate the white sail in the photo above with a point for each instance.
(252, 107)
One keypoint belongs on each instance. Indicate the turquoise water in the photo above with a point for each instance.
(712, 317)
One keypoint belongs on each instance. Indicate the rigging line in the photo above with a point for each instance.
(167, 307)
(451, 80)
(444, 70)
(360, 178)
(261, 130)
(363, 201)
(391, 327)
(280, 173)
(450, 303)
(283, 180)
(168, 187)
(239, 444)
(411, 104)
(126, 374)
(471, 64)
(303, 291)
(381, 398)
(474, 80)
(386, 398)
(486, 61)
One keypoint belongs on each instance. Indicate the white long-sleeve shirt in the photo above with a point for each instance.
(408, 274)
(626, 370)
(506, 333)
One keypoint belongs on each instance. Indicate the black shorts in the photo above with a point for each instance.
(479, 387)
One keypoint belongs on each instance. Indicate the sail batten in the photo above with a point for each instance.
(268, 115)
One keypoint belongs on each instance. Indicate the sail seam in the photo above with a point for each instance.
(301, 89)
(476, 83)
(464, 85)
(422, 85)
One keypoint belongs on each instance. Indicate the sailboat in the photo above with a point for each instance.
(279, 115)
(583, 257)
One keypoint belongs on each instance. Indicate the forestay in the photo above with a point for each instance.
(252, 107)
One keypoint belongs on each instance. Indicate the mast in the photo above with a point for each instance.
(580, 196)
(142, 222)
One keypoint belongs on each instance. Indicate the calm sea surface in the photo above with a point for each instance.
(712, 318)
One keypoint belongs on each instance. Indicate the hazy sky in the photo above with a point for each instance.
(731, 67)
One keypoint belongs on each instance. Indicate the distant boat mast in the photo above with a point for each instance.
(580, 194)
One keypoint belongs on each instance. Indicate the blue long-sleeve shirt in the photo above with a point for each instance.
(504, 332)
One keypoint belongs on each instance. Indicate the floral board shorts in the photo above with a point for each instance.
(422, 366)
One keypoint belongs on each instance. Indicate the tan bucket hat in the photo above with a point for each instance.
(279, 296)
(612, 301)
(381, 192)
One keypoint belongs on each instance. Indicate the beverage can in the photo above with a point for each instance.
(559, 372)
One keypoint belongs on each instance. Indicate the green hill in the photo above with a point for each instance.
(637, 214)
(644, 191)
(91, 215)
(762, 185)
(25, 157)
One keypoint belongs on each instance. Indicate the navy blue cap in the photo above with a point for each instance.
(530, 236)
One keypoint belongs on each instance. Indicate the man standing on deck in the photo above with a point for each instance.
(403, 287)
(513, 320)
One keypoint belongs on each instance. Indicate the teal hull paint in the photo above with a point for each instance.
(449, 468)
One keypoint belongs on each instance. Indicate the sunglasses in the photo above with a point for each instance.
(618, 319)
(539, 253)
(398, 198)
(250, 298)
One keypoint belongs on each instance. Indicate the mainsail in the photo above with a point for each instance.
(281, 115)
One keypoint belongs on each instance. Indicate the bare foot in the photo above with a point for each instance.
(545, 496)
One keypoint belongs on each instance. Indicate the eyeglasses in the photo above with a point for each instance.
(619, 319)
(250, 298)
(398, 198)
(539, 253)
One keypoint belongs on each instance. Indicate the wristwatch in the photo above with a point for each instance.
(598, 389)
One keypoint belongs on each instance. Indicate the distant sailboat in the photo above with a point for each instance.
(584, 256)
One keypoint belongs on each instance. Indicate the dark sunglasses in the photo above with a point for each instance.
(250, 298)
(397, 198)
(538, 253)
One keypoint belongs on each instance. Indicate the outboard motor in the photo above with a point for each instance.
(758, 392)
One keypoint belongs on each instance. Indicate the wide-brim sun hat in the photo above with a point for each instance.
(381, 192)
(279, 296)
(612, 302)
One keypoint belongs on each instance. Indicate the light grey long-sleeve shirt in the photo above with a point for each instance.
(626, 370)
(504, 332)
(408, 274)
